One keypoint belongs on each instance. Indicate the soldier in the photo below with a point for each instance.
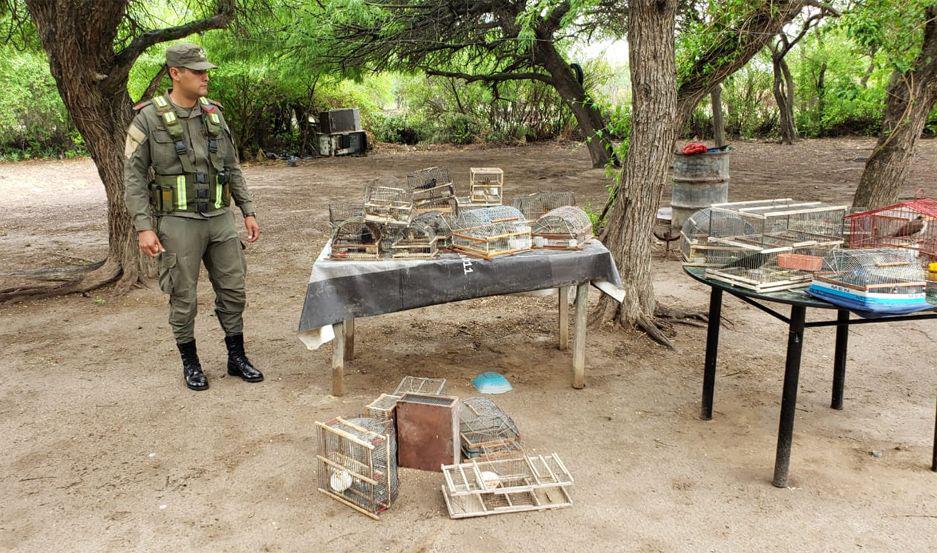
(181, 172)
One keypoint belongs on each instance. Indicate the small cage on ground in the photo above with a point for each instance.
(357, 463)
(911, 225)
(746, 243)
(382, 408)
(486, 185)
(882, 281)
(538, 204)
(487, 432)
(416, 241)
(387, 205)
(564, 228)
(355, 238)
(491, 232)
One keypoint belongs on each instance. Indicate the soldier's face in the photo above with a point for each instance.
(191, 82)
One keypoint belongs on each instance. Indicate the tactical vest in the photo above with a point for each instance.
(191, 191)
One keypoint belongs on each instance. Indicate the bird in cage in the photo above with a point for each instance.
(431, 183)
(912, 228)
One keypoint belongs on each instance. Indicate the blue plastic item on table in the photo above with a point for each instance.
(491, 383)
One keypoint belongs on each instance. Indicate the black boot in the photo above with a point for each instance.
(191, 368)
(238, 363)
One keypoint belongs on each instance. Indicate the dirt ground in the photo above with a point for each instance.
(103, 449)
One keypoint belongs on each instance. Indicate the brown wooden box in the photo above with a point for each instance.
(427, 431)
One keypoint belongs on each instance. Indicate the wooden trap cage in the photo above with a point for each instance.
(538, 204)
(416, 241)
(528, 483)
(357, 463)
(486, 432)
(420, 385)
(564, 228)
(486, 186)
(382, 408)
(356, 238)
(911, 224)
(387, 205)
(491, 232)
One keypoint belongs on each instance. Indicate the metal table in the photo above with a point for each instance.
(799, 301)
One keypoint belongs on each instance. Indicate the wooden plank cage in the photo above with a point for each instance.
(357, 464)
(491, 232)
(564, 228)
(486, 185)
(387, 205)
(356, 238)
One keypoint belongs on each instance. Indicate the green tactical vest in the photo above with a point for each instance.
(191, 191)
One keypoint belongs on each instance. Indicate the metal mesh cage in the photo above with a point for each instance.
(911, 224)
(387, 205)
(536, 205)
(418, 385)
(357, 463)
(485, 431)
(441, 225)
(428, 179)
(382, 408)
(355, 238)
(341, 212)
(491, 232)
(885, 280)
(565, 228)
(764, 245)
(417, 240)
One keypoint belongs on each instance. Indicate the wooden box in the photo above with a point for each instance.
(427, 431)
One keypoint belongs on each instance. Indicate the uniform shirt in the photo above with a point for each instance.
(149, 150)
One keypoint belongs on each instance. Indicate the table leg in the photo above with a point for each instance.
(579, 339)
(712, 352)
(795, 344)
(839, 358)
(564, 317)
(349, 338)
(338, 360)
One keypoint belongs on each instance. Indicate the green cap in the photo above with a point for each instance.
(191, 56)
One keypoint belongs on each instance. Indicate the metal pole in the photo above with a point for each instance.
(712, 351)
(839, 358)
(795, 343)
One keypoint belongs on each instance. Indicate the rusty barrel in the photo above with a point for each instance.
(698, 181)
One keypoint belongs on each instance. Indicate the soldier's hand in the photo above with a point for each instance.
(149, 243)
(253, 229)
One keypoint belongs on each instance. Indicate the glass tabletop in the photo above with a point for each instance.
(797, 296)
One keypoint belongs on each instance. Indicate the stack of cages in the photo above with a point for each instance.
(764, 245)
(416, 241)
(431, 190)
(877, 281)
(441, 225)
(486, 432)
(357, 463)
(538, 204)
(486, 186)
(357, 239)
(911, 225)
(564, 228)
(491, 232)
(387, 205)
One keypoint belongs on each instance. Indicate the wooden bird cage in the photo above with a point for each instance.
(387, 205)
(429, 186)
(356, 238)
(487, 432)
(564, 228)
(910, 225)
(357, 463)
(491, 232)
(341, 212)
(441, 223)
(536, 205)
(416, 241)
(486, 185)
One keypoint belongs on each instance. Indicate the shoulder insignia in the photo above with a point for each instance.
(217, 103)
(142, 105)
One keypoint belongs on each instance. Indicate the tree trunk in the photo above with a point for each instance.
(910, 98)
(589, 118)
(719, 122)
(784, 96)
(655, 122)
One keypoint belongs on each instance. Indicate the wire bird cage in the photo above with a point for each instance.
(564, 228)
(382, 408)
(441, 224)
(387, 205)
(357, 463)
(341, 212)
(416, 241)
(432, 183)
(486, 185)
(536, 205)
(355, 238)
(881, 281)
(491, 232)
(418, 385)
(527, 483)
(487, 432)
(911, 224)
(764, 245)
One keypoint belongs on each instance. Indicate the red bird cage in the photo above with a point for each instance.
(911, 224)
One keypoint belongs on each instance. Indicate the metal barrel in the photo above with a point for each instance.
(699, 181)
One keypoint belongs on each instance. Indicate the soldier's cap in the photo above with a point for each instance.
(190, 56)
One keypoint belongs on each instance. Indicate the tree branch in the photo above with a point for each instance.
(491, 78)
(154, 83)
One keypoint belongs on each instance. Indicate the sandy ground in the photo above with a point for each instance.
(103, 449)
